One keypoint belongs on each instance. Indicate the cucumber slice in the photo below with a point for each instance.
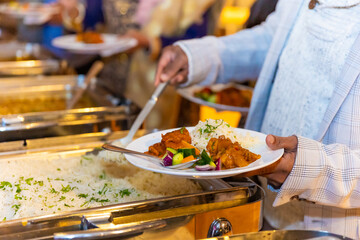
(187, 152)
(174, 151)
(177, 158)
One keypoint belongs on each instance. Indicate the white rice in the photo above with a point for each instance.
(211, 128)
(54, 184)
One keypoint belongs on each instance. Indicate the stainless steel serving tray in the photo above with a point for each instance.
(21, 58)
(31, 67)
(102, 113)
(154, 218)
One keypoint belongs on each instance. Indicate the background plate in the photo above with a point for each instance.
(111, 43)
(188, 93)
(142, 144)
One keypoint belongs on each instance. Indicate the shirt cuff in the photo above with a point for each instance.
(306, 169)
(202, 58)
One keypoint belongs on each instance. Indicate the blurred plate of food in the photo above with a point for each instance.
(222, 151)
(93, 43)
(222, 97)
(28, 9)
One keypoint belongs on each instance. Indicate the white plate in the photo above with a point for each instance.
(142, 144)
(188, 93)
(111, 43)
(32, 10)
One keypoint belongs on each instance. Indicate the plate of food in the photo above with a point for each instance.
(93, 43)
(27, 9)
(222, 97)
(222, 151)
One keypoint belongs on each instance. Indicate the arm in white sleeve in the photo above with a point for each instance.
(323, 174)
(236, 57)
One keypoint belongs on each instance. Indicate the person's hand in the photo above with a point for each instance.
(277, 172)
(173, 66)
(142, 40)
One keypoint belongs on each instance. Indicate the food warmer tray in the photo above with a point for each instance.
(285, 235)
(221, 208)
(98, 112)
(21, 58)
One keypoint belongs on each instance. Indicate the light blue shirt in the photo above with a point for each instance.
(320, 41)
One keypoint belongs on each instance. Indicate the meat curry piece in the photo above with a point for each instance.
(232, 155)
(234, 97)
(170, 140)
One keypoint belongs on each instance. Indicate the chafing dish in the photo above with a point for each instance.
(284, 235)
(20, 59)
(48, 96)
(236, 206)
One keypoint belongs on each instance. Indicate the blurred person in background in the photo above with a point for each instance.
(154, 24)
(306, 57)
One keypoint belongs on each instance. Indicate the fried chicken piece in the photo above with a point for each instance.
(173, 139)
(158, 150)
(231, 154)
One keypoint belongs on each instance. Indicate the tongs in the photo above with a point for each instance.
(148, 157)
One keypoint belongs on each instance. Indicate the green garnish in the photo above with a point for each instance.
(103, 175)
(16, 207)
(124, 192)
(5, 184)
(104, 189)
(62, 198)
(28, 181)
(54, 191)
(66, 189)
(182, 130)
(83, 195)
(18, 189)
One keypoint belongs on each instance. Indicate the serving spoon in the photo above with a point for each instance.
(149, 157)
(143, 114)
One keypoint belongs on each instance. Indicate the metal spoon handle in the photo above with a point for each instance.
(124, 150)
(145, 111)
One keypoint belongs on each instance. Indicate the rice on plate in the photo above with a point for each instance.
(214, 128)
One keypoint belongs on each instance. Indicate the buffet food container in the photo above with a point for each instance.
(20, 59)
(221, 208)
(284, 235)
(33, 107)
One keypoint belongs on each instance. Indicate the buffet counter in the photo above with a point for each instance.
(218, 208)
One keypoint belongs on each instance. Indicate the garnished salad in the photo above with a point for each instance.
(184, 155)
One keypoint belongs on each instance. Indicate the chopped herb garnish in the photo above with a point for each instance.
(4, 219)
(104, 189)
(16, 207)
(17, 197)
(58, 169)
(182, 130)
(28, 181)
(66, 189)
(18, 189)
(103, 175)
(5, 184)
(99, 200)
(124, 192)
(54, 191)
(41, 183)
(62, 198)
(66, 205)
(83, 195)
